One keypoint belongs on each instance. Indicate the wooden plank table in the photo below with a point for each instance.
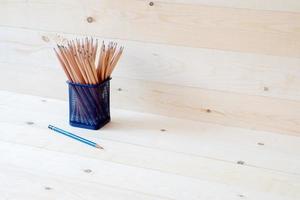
(145, 157)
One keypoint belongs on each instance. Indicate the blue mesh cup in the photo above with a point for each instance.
(89, 105)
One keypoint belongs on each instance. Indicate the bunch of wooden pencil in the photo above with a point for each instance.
(83, 62)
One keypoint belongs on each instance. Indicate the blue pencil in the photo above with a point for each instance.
(76, 137)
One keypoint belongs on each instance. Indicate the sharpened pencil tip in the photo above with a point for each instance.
(98, 146)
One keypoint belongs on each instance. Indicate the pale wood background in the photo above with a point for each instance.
(190, 160)
(228, 62)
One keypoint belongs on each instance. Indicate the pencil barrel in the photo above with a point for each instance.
(89, 105)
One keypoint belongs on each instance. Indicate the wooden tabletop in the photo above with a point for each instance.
(145, 157)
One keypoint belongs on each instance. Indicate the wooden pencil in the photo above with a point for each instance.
(86, 62)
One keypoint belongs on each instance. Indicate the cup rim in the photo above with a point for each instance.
(89, 85)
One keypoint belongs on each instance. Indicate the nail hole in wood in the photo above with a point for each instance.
(208, 110)
(119, 89)
(163, 130)
(45, 38)
(87, 170)
(240, 162)
(47, 188)
(260, 143)
(151, 3)
(89, 19)
(266, 89)
(30, 123)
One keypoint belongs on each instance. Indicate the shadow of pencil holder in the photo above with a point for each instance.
(89, 105)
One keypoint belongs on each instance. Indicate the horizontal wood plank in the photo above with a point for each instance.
(27, 184)
(182, 139)
(243, 73)
(154, 183)
(225, 108)
(138, 150)
(275, 5)
(263, 32)
(112, 178)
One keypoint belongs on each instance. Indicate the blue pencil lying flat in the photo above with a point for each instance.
(76, 137)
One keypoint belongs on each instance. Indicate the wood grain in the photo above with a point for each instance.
(243, 73)
(25, 184)
(211, 106)
(121, 131)
(138, 151)
(244, 30)
(275, 5)
(226, 108)
(158, 185)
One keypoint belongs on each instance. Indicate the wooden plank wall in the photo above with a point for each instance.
(228, 62)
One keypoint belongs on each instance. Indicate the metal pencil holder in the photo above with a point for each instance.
(89, 105)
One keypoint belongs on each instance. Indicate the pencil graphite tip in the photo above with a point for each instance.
(98, 146)
(84, 53)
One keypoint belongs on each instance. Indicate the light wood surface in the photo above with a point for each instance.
(243, 73)
(224, 63)
(252, 112)
(275, 5)
(189, 160)
(243, 30)
(226, 108)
